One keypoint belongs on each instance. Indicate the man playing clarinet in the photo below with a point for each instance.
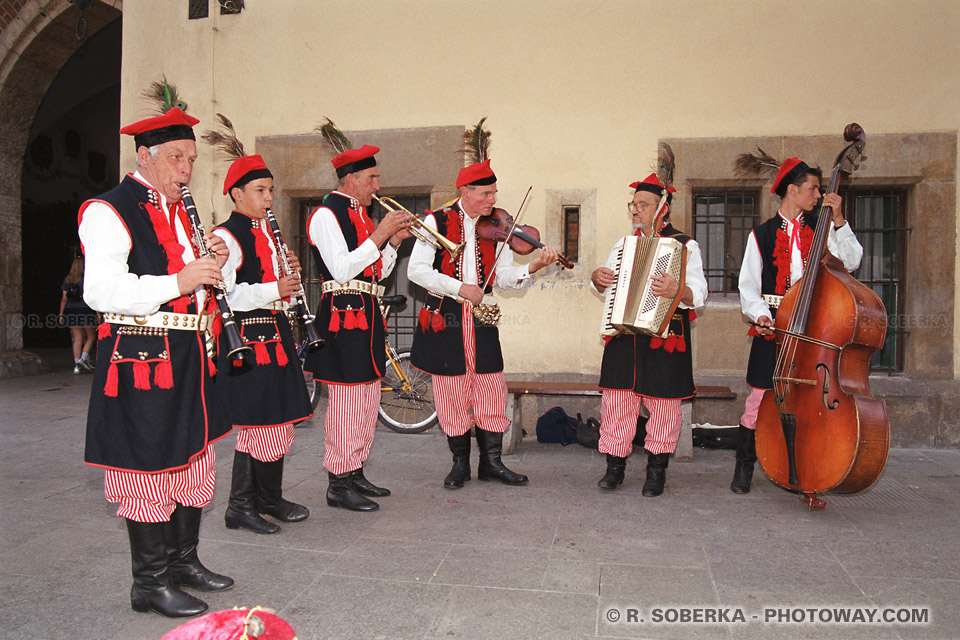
(150, 423)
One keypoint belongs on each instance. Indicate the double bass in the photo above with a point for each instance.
(820, 429)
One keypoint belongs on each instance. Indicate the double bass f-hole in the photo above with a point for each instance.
(825, 392)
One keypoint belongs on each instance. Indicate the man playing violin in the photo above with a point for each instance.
(642, 370)
(462, 353)
(765, 277)
(265, 397)
(352, 255)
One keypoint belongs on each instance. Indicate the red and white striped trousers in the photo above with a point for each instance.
(350, 424)
(150, 497)
(484, 395)
(619, 409)
(266, 444)
(751, 408)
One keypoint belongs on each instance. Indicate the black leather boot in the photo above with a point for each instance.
(185, 566)
(268, 483)
(152, 589)
(340, 493)
(460, 473)
(746, 456)
(366, 488)
(490, 466)
(242, 508)
(656, 474)
(616, 467)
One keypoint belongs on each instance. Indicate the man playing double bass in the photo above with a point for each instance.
(773, 260)
(461, 353)
(639, 369)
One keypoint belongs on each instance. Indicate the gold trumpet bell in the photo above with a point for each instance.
(421, 231)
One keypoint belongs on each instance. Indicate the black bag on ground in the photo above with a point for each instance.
(716, 437)
(588, 434)
(556, 426)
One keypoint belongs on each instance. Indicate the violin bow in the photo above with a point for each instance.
(506, 241)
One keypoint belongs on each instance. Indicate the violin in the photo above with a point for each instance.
(524, 239)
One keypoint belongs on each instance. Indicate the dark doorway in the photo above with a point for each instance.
(72, 155)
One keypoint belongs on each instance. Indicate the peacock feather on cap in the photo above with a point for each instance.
(165, 96)
(334, 136)
(666, 164)
(225, 139)
(476, 143)
(755, 164)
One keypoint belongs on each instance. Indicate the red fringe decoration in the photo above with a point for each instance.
(424, 319)
(212, 367)
(141, 375)
(282, 359)
(163, 375)
(362, 320)
(238, 363)
(349, 319)
(104, 330)
(670, 344)
(334, 322)
(262, 247)
(693, 315)
(656, 342)
(110, 388)
(263, 356)
(437, 323)
(681, 344)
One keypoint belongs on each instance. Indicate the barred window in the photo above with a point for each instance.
(198, 9)
(571, 232)
(878, 217)
(722, 221)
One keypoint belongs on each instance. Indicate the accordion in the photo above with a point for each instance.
(629, 305)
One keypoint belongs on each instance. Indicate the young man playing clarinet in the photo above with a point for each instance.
(639, 369)
(266, 397)
(773, 260)
(150, 423)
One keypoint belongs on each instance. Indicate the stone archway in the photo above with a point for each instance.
(34, 45)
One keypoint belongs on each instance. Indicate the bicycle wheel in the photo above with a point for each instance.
(406, 399)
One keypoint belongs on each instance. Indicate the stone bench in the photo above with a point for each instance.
(516, 389)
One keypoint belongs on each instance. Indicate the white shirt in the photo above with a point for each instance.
(693, 279)
(245, 296)
(325, 233)
(840, 242)
(420, 269)
(108, 285)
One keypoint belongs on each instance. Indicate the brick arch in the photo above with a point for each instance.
(36, 42)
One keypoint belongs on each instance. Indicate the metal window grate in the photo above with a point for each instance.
(571, 232)
(230, 7)
(722, 221)
(198, 9)
(878, 216)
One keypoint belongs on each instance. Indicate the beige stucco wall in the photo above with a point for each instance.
(577, 95)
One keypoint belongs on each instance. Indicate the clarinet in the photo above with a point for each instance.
(237, 349)
(299, 302)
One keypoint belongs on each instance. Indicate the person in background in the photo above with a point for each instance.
(78, 317)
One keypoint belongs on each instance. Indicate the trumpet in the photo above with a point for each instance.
(421, 231)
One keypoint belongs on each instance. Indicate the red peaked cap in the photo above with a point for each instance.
(788, 173)
(243, 170)
(355, 160)
(231, 624)
(652, 184)
(173, 125)
(479, 173)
